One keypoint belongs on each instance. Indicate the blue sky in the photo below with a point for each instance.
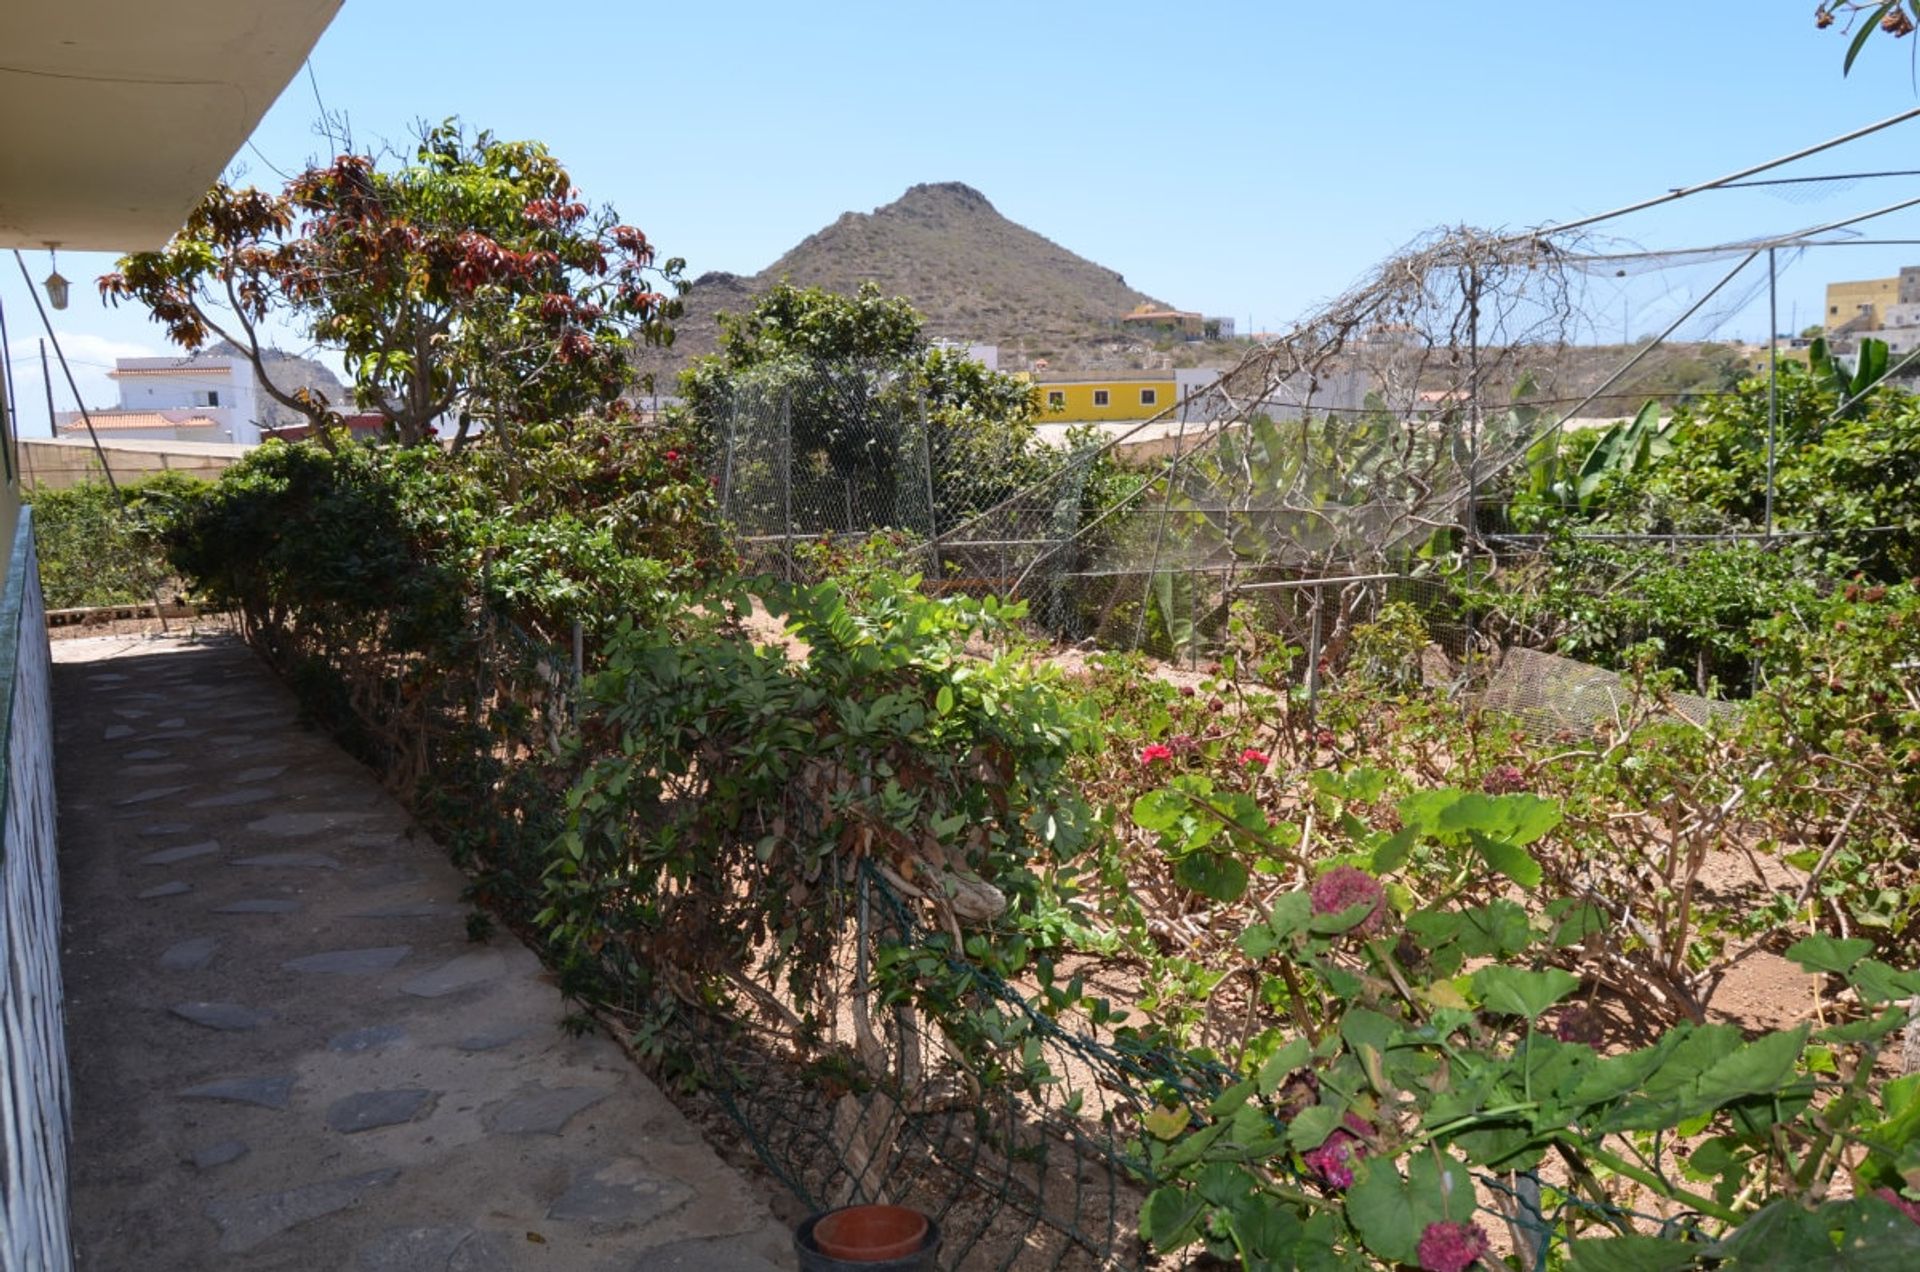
(1243, 159)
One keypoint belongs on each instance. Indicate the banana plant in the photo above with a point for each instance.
(1625, 447)
(1851, 389)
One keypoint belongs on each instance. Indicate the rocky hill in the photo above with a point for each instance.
(976, 275)
(290, 372)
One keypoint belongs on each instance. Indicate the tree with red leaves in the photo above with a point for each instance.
(472, 285)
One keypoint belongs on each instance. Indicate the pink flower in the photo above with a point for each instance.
(1505, 779)
(673, 456)
(1258, 759)
(1324, 738)
(1154, 754)
(1452, 1247)
(1186, 691)
(1911, 1209)
(1332, 1162)
(1346, 886)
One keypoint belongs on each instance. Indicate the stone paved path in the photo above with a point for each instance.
(287, 1054)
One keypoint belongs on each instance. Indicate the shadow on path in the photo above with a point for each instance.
(286, 1053)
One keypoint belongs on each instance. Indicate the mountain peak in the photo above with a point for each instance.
(974, 274)
(939, 193)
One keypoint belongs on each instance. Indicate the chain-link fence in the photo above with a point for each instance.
(823, 450)
(1306, 489)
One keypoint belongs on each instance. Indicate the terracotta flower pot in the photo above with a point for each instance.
(884, 1238)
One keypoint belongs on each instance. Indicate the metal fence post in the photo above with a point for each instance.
(933, 509)
(1773, 379)
(1313, 658)
(1159, 533)
(732, 425)
(786, 482)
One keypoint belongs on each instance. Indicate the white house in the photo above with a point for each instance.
(200, 399)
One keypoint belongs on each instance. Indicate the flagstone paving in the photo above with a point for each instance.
(288, 1055)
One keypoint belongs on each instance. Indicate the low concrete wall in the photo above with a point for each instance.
(57, 463)
(36, 1103)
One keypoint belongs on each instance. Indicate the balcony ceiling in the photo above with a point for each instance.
(117, 115)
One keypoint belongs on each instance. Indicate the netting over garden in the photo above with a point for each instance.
(1374, 428)
(1370, 436)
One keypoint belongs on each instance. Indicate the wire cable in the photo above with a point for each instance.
(1717, 182)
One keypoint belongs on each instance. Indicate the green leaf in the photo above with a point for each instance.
(1340, 920)
(1435, 928)
(1311, 1126)
(1829, 954)
(943, 701)
(1867, 28)
(1393, 851)
(1258, 940)
(1515, 863)
(1880, 983)
(1759, 1068)
(1900, 1100)
(1269, 1233)
(1518, 992)
(1527, 818)
(1377, 1206)
(1191, 1149)
(1282, 1063)
(1422, 810)
(1223, 1183)
(1159, 810)
(1231, 1100)
(1632, 1254)
(1170, 1217)
(1669, 1091)
(1212, 874)
(1362, 1027)
(1439, 1188)
(1859, 1234)
(1292, 912)
(1902, 1095)
(1870, 1030)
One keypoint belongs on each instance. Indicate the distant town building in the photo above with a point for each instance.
(1179, 323)
(986, 355)
(1069, 398)
(1874, 307)
(194, 399)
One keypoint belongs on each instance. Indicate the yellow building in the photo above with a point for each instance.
(1069, 399)
(1861, 305)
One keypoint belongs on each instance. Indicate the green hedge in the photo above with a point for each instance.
(99, 548)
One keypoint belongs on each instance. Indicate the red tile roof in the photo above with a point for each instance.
(117, 420)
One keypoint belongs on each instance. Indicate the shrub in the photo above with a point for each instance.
(98, 548)
(588, 520)
(738, 794)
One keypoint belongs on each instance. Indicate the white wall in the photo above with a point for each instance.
(187, 385)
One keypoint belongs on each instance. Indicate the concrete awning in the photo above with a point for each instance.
(117, 115)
